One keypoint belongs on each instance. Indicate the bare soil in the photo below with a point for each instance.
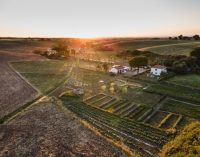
(14, 91)
(46, 130)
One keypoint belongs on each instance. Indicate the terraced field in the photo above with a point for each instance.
(164, 120)
(142, 139)
(182, 107)
(137, 112)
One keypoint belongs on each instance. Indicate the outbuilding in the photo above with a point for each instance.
(119, 69)
(158, 69)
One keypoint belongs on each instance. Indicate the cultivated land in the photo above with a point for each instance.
(174, 49)
(46, 130)
(44, 75)
(23, 45)
(189, 80)
(139, 115)
(14, 91)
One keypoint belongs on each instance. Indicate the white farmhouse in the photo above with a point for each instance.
(158, 69)
(119, 69)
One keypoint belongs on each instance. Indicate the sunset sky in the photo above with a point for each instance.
(99, 18)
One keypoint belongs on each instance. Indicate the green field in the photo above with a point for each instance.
(174, 91)
(183, 108)
(44, 75)
(137, 95)
(192, 80)
(174, 49)
(139, 44)
(162, 46)
(24, 45)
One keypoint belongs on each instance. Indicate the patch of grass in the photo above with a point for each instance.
(182, 108)
(174, 49)
(192, 80)
(139, 96)
(157, 118)
(185, 144)
(138, 44)
(44, 75)
(174, 91)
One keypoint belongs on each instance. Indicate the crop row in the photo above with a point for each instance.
(145, 138)
(126, 109)
(164, 120)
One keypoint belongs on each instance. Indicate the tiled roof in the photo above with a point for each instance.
(159, 67)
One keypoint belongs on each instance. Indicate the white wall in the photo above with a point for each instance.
(157, 72)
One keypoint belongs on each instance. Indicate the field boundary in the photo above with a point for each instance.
(23, 78)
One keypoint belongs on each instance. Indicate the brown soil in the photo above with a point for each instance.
(14, 91)
(45, 130)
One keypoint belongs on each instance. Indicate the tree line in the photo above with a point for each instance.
(179, 64)
(181, 37)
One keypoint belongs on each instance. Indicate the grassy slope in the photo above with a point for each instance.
(188, 80)
(137, 95)
(22, 45)
(185, 144)
(175, 92)
(182, 108)
(174, 49)
(138, 44)
(44, 75)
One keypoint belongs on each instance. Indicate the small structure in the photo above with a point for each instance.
(156, 70)
(119, 69)
(76, 89)
(51, 52)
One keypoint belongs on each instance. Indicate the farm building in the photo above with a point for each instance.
(119, 69)
(158, 69)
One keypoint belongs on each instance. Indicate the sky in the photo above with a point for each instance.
(99, 18)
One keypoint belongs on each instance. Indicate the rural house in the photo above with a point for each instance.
(119, 69)
(158, 69)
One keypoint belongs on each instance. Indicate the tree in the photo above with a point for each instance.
(62, 49)
(98, 67)
(105, 67)
(195, 53)
(196, 37)
(73, 52)
(139, 61)
(136, 53)
(180, 67)
(180, 37)
(175, 38)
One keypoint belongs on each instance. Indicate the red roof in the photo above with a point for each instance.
(159, 67)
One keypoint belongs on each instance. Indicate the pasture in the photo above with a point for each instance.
(173, 49)
(174, 91)
(190, 80)
(44, 75)
(143, 43)
(161, 46)
(185, 108)
(24, 45)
